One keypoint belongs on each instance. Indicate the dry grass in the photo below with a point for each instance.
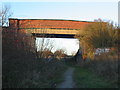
(21, 66)
(105, 65)
(31, 73)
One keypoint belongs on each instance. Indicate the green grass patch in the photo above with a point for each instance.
(86, 79)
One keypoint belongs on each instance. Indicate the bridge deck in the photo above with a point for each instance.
(53, 35)
(51, 31)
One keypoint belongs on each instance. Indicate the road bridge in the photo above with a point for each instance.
(51, 28)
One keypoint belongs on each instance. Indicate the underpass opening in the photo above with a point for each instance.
(70, 46)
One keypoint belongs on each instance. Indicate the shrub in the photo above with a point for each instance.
(105, 65)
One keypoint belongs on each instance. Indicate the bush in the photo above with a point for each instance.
(105, 66)
(21, 66)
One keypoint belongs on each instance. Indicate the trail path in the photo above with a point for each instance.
(68, 79)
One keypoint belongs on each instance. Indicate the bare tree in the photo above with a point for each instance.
(60, 53)
(5, 13)
(44, 44)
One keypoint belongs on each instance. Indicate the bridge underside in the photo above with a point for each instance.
(54, 35)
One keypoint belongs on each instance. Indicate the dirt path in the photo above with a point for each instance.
(68, 79)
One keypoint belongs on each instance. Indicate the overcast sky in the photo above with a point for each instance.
(83, 10)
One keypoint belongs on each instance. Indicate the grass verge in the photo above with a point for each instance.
(86, 79)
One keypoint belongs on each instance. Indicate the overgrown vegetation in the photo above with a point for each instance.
(87, 79)
(103, 35)
(98, 34)
(105, 66)
(21, 66)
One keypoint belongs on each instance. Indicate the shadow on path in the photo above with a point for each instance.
(68, 79)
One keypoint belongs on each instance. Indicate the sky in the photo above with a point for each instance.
(82, 10)
(59, 0)
(85, 11)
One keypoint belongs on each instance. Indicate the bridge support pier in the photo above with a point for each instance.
(35, 47)
(79, 55)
